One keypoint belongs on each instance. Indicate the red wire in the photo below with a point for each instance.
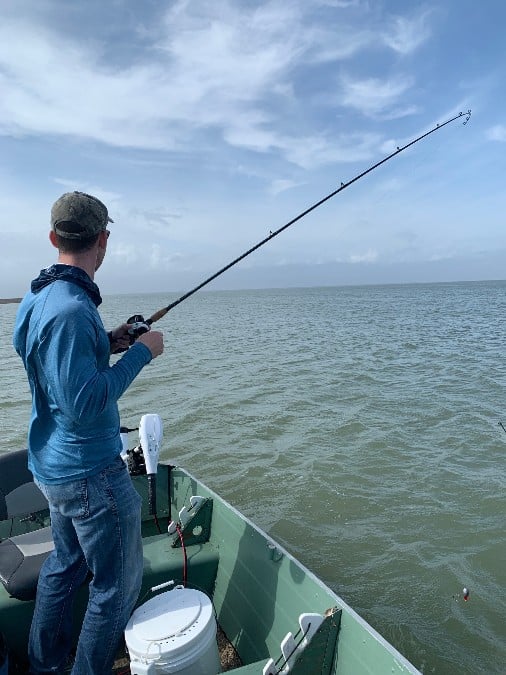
(185, 565)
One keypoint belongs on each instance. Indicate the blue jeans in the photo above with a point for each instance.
(96, 525)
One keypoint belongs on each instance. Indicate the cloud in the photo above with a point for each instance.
(205, 70)
(316, 151)
(309, 152)
(368, 256)
(124, 253)
(203, 73)
(341, 4)
(282, 184)
(497, 133)
(75, 96)
(373, 97)
(405, 35)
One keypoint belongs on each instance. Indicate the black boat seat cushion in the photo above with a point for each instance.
(21, 557)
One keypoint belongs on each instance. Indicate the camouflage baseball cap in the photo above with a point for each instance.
(76, 215)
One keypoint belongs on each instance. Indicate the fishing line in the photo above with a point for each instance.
(139, 325)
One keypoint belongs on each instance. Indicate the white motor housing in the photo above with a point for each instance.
(150, 437)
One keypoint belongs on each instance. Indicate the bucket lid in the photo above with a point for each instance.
(170, 614)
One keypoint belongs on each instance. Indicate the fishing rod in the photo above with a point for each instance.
(140, 325)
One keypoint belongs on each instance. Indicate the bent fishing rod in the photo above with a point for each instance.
(139, 325)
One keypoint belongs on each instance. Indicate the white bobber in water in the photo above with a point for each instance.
(174, 632)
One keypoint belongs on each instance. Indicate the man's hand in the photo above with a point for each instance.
(153, 341)
(119, 338)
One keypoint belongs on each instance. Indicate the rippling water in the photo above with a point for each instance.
(359, 426)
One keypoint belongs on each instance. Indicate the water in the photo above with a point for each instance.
(359, 427)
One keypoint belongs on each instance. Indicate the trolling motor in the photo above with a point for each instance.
(143, 459)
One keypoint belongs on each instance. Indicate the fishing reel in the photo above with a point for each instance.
(138, 326)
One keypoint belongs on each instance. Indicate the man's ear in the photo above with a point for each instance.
(102, 238)
(52, 238)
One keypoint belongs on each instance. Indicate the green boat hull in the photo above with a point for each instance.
(258, 589)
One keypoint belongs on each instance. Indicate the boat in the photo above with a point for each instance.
(234, 585)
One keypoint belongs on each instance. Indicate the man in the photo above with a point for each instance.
(74, 445)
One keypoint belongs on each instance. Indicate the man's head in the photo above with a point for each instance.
(77, 220)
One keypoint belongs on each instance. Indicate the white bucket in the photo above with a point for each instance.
(174, 632)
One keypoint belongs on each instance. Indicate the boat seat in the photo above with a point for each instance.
(21, 556)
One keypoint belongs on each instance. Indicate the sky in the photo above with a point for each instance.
(204, 126)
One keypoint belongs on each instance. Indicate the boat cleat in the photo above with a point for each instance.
(194, 522)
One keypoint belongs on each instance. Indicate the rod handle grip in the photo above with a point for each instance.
(157, 315)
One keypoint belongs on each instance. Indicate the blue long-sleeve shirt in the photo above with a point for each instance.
(74, 427)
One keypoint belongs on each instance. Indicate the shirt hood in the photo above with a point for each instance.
(70, 273)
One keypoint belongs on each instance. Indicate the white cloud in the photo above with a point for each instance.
(368, 256)
(339, 42)
(341, 4)
(207, 70)
(219, 67)
(497, 133)
(373, 96)
(405, 35)
(282, 184)
(124, 253)
(315, 151)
